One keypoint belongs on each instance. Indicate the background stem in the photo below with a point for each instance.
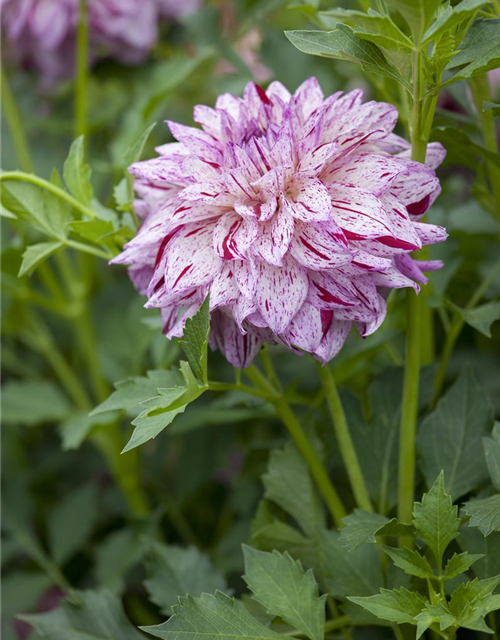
(81, 71)
(15, 124)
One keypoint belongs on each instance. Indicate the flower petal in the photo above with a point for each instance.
(233, 236)
(307, 199)
(320, 246)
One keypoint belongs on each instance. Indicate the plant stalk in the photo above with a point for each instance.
(15, 124)
(81, 71)
(347, 450)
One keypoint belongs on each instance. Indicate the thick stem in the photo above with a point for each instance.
(81, 71)
(316, 468)
(15, 124)
(344, 440)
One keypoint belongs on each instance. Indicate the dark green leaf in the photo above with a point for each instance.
(484, 514)
(194, 342)
(492, 455)
(434, 614)
(436, 519)
(360, 527)
(479, 50)
(284, 589)
(77, 173)
(473, 541)
(450, 437)
(451, 17)
(31, 402)
(482, 317)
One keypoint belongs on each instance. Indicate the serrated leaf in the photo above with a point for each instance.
(360, 527)
(284, 589)
(450, 437)
(412, 562)
(342, 43)
(358, 573)
(484, 514)
(98, 616)
(175, 571)
(216, 617)
(451, 17)
(482, 317)
(436, 519)
(432, 614)
(460, 563)
(472, 601)
(479, 50)
(194, 342)
(288, 484)
(417, 13)
(72, 521)
(131, 392)
(35, 254)
(399, 606)
(77, 173)
(492, 455)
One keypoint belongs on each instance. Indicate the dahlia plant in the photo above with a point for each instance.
(322, 460)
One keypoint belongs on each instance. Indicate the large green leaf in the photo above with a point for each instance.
(417, 13)
(479, 50)
(450, 438)
(360, 527)
(451, 17)
(174, 571)
(473, 541)
(436, 519)
(342, 43)
(492, 455)
(484, 514)
(31, 402)
(284, 589)
(288, 484)
(194, 342)
(77, 173)
(97, 616)
(215, 617)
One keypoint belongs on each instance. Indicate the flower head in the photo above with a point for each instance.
(296, 213)
(41, 34)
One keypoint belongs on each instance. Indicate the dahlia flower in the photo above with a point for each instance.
(41, 34)
(295, 213)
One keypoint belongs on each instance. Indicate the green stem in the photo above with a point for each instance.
(316, 468)
(455, 329)
(15, 123)
(81, 71)
(49, 186)
(481, 92)
(344, 440)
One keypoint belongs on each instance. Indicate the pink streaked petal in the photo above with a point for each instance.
(213, 192)
(393, 279)
(430, 233)
(418, 189)
(410, 268)
(274, 238)
(198, 170)
(241, 309)
(359, 213)
(280, 292)
(230, 104)
(333, 340)
(331, 290)
(197, 141)
(306, 329)
(369, 262)
(238, 185)
(403, 230)
(320, 246)
(159, 171)
(173, 327)
(307, 199)
(308, 97)
(277, 89)
(239, 349)
(366, 328)
(314, 160)
(255, 209)
(233, 236)
(188, 212)
(172, 149)
(208, 118)
(375, 173)
(435, 154)
(223, 289)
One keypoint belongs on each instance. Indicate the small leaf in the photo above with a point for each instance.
(492, 455)
(412, 562)
(215, 617)
(399, 606)
(479, 50)
(194, 342)
(342, 43)
(451, 17)
(432, 614)
(35, 254)
(436, 519)
(98, 616)
(360, 527)
(77, 173)
(134, 153)
(174, 571)
(284, 589)
(484, 514)
(482, 317)
(460, 563)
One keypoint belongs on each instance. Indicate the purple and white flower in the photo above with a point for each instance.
(295, 212)
(41, 34)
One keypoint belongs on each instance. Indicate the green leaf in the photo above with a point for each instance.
(450, 437)
(360, 527)
(432, 614)
(484, 514)
(134, 152)
(417, 13)
(342, 43)
(131, 392)
(436, 519)
(482, 317)
(75, 430)
(460, 563)
(174, 571)
(284, 589)
(472, 601)
(412, 562)
(451, 17)
(395, 529)
(71, 523)
(288, 484)
(35, 254)
(194, 342)
(473, 541)
(98, 616)
(479, 51)
(399, 606)
(492, 455)
(77, 173)
(31, 402)
(215, 617)
(494, 106)
(93, 230)
(358, 573)
(279, 536)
